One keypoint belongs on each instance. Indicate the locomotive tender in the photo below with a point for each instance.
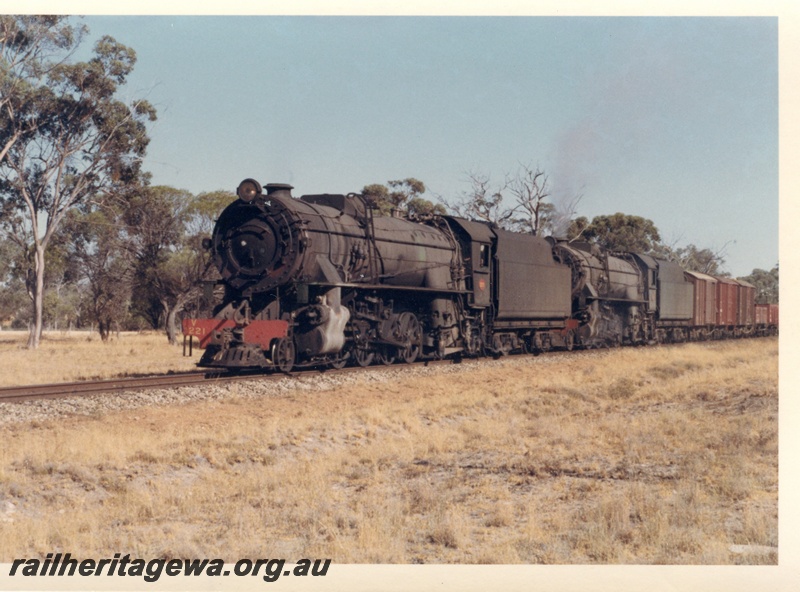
(322, 280)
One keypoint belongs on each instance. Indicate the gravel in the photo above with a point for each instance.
(98, 405)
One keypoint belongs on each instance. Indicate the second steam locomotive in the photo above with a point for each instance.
(322, 280)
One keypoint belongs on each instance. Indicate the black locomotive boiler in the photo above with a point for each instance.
(323, 280)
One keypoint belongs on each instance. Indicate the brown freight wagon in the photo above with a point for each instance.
(727, 302)
(746, 304)
(773, 315)
(705, 300)
(762, 314)
(766, 318)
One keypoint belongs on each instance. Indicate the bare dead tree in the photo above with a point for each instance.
(708, 261)
(482, 202)
(533, 210)
(530, 190)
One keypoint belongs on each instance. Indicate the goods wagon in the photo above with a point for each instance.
(766, 319)
(746, 304)
(727, 303)
(704, 311)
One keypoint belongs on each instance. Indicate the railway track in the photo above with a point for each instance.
(18, 394)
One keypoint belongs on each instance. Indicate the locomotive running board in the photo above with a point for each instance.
(389, 287)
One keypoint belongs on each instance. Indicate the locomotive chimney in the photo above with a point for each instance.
(279, 190)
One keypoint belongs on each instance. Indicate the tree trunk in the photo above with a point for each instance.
(37, 295)
(103, 329)
(172, 332)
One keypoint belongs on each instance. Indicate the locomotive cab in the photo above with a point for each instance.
(476, 240)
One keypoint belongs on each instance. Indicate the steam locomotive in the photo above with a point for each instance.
(324, 281)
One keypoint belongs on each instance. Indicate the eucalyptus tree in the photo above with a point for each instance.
(30, 47)
(618, 232)
(404, 195)
(767, 284)
(85, 142)
(97, 248)
(165, 228)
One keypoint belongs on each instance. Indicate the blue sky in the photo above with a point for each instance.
(674, 119)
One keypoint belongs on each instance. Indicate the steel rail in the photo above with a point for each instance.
(18, 394)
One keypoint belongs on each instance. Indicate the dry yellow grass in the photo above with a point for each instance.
(663, 455)
(71, 356)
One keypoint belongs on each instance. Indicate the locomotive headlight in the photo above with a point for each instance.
(252, 248)
(248, 189)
